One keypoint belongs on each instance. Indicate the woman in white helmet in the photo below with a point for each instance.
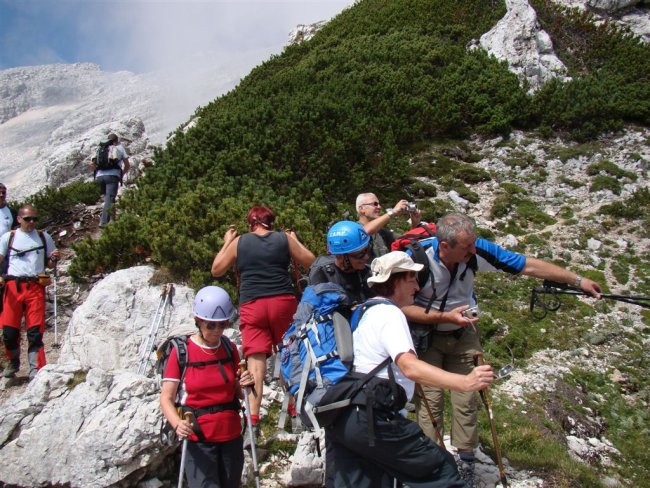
(207, 384)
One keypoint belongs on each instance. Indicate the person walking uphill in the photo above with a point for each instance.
(266, 295)
(109, 170)
(397, 447)
(28, 252)
(454, 256)
(209, 388)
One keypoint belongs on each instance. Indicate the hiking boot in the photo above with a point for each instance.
(466, 472)
(247, 437)
(10, 370)
(33, 364)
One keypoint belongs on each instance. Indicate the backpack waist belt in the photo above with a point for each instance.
(197, 412)
(21, 279)
(220, 407)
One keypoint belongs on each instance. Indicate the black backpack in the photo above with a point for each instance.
(105, 157)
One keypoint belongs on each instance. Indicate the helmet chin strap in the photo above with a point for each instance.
(347, 265)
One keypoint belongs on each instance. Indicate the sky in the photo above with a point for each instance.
(148, 35)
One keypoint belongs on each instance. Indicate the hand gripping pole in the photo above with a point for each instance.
(187, 416)
(478, 361)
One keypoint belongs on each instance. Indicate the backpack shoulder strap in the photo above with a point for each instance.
(10, 244)
(363, 308)
(40, 234)
(180, 343)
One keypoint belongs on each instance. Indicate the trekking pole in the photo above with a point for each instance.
(56, 344)
(251, 434)
(553, 289)
(187, 416)
(427, 406)
(478, 361)
(149, 340)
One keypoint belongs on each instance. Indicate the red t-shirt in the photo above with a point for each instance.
(205, 386)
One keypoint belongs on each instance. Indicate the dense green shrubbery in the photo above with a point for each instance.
(53, 204)
(609, 68)
(342, 113)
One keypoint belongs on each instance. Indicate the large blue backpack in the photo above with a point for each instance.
(317, 348)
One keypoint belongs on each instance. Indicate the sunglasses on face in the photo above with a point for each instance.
(221, 324)
(30, 219)
(359, 254)
(372, 204)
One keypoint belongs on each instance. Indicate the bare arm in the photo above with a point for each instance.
(417, 314)
(227, 255)
(298, 251)
(428, 375)
(127, 165)
(549, 271)
(183, 428)
(374, 226)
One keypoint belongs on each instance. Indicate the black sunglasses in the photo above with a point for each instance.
(374, 204)
(359, 254)
(30, 219)
(222, 324)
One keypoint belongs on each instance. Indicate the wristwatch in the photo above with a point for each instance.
(389, 212)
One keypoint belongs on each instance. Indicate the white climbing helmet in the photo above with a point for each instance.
(213, 303)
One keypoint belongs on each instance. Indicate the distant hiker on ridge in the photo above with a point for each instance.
(110, 164)
(7, 215)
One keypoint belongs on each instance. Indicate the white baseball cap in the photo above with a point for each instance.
(393, 262)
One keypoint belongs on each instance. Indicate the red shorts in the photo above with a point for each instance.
(23, 297)
(263, 321)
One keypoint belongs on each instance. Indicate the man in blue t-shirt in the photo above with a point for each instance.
(445, 304)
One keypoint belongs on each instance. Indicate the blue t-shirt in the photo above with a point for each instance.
(460, 290)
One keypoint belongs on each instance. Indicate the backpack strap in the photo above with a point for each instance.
(18, 252)
(181, 350)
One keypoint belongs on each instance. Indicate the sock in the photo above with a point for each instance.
(291, 410)
(255, 419)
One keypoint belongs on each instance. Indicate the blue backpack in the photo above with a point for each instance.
(317, 350)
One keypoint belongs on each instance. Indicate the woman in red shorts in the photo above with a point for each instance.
(266, 294)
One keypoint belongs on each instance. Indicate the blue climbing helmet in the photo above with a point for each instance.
(345, 237)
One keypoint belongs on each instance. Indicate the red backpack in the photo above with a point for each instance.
(410, 241)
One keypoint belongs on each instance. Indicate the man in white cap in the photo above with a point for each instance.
(398, 447)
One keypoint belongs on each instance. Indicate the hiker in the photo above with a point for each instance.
(7, 215)
(7, 220)
(346, 262)
(210, 388)
(370, 443)
(453, 258)
(369, 215)
(28, 252)
(110, 177)
(267, 299)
